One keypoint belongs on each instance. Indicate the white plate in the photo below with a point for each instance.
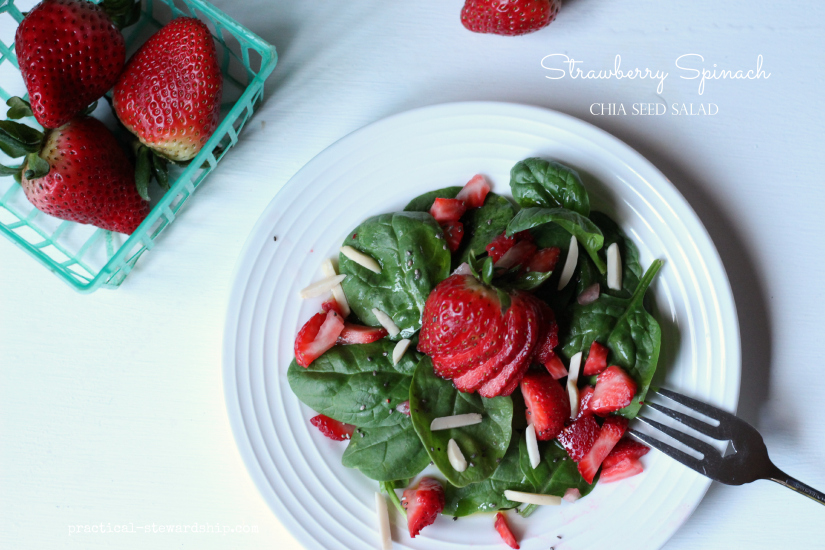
(379, 169)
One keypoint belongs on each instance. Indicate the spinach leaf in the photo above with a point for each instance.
(423, 203)
(482, 225)
(413, 255)
(387, 453)
(530, 280)
(555, 473)
(482, 444)
(488, 495)
(592, 323)
(347, 378)
(546, 183)
(581, 227)
(389, 487)
(631, 268)
(635, 343)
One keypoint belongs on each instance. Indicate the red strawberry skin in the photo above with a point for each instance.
(317, 336)
(585, 395)
(612, 431)
(596, 359)
(503, 529)
(578, 438)
(548, 405)
(614, 390)
(70, 54)
(474, 192)
(625, 449)
(447, 210)
(499, 246)
(508, 17)
(90, 179)
(544, 260)
(169, 95)
(453, 233)
(360, 334)
(621, 470)
(333, 429)
(423, 504)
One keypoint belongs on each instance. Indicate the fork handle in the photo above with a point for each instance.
(784, 479)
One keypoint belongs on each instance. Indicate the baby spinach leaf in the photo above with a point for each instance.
(389, 487)
(413, 255)
(526, 281)
(482, 225)
(347, 378)
(488, 495)
(423, 203)
(635, 343)
(631, 268)
(592, 323)
(387, 453)
(555, 473)
(585, 231)
(482, 444)
(546, 183)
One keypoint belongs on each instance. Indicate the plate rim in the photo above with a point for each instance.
(628, 155)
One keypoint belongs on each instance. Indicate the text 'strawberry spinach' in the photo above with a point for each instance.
(413, 255)
(482, 444)
(548, 184)
(352, 384)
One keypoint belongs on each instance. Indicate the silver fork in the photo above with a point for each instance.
(748, 463)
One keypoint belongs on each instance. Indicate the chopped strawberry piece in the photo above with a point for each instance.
(614, 390)
(572, 494)
(474, 192)
(578, 438)
(623, 469)
(447, 210)
(519, 254)
(360, 334)
(453, 233)
(548, 405)
(317, 336)
(585, 395)
(596, 359)
(404, 407)
(625, 449)
(524, 236)
(549, 339)
(332, 428)
(499, 246)
(504, 530)
(555, 367)
(423, 504)
(544, 260)
(333, 305)
(612, 431)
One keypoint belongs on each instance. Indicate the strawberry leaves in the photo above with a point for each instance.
(18, 140)
(149, 165)
(18, 108)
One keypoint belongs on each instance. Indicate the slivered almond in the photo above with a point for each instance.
(384, 534)
(361, 259)
(386, 322)
(573, 394)
(575, 366)
(614, 267)
(532, 446)
(569, 263)
(532, 498)
(456, 457)
(321, 287)
(455, 421)
(337, 291)
(399, 350)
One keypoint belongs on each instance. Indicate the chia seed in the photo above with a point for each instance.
(363, 407)
(472, 465)
(386, 384)
(409, 264)
(445, 247)
(274, 238)
(409, 252)
(489, 222)
(369, 357)
(455, 518)
(384, 354)
(417, 272)
(498, 461)
(437, 235)
(375, 373)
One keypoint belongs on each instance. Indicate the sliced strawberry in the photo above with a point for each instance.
(612, 431)
(596, 359)
(455, 365)
(423, 504)
(317, 336)
(578, 438)
(474, 192)
(360, 334)
(614, 390)
(332, 304)
(504, 530)
(585, 395)
(507, 380)
(548, 339)
(519, 254)
(555, 367)
(548, 405)
(447, 210)
(499, 246)
(544, 260)
(457, 316)
(623, 469)
(332, 428)
(625, 449)
(453, 233)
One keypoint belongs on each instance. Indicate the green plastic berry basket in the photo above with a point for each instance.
(84, 256)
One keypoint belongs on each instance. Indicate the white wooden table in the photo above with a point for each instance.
(111, 405)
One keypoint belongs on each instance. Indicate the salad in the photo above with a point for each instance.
(504, 342)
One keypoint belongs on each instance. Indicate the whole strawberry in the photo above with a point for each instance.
(169, 95)
(87, 178)
(70, 54)
(509, 17)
